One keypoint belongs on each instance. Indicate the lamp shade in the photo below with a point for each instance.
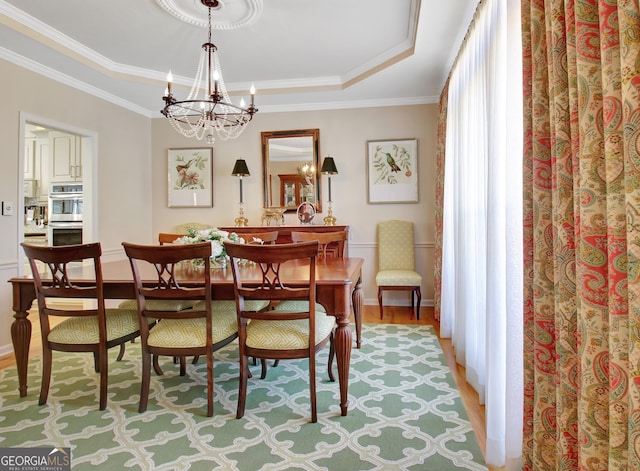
(329, 166)
(240, 169)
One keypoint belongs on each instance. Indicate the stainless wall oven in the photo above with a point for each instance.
(65, 202)
(64, 233)
(65, 214)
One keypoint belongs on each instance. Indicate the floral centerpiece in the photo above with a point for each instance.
(217, 238)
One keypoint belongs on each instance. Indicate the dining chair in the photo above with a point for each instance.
(175, 304)
(396, 262)
(269, 237)
(168, 238)
(330, 244)
(196, 331)
(88, 326)
(278, 334)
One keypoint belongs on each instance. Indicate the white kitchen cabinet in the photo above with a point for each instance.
(29, 159)
(41, 167)
(65, 157)
(36, 167)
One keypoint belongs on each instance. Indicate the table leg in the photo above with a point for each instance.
(21, 338)
(342, 340)
(357, 298)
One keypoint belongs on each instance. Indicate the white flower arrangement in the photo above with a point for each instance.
(217, 239)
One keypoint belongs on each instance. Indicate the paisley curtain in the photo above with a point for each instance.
(582, 234)
(439, 186)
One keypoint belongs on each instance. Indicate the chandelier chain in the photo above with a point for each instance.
(213, 112)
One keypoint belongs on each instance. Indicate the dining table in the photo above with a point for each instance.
(338, 289)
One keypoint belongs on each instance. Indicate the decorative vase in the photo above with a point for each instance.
(218, 263)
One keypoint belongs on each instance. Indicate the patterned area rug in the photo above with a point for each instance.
(405, 413)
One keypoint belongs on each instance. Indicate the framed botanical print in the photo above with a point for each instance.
(392, 171)
(190, 178)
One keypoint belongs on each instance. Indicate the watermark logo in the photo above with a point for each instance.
(35, 459)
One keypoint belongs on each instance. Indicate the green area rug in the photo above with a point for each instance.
(405, 413)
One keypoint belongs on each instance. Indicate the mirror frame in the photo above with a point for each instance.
(267, 136)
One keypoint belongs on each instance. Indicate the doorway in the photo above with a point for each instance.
(36, 175)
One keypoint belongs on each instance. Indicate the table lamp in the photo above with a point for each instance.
(240, 169)
(329, 168)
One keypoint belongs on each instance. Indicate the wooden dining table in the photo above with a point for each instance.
(339, 289)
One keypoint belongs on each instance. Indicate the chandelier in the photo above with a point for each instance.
(307, 170)
(208, 111)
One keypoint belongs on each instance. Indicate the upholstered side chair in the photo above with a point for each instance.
(396, 262)
(189, 226)
(169, 304)
(297, 332)
(91, 328)
(196, 331)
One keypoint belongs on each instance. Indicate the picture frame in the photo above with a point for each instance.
(190, 177)
(392, 171)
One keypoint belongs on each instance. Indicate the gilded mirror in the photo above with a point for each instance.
(291, 168)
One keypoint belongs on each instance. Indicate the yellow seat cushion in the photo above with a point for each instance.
(285, 334)
(188, 333)
(297, 306)
(84, 330)
(226, 305)
(398, 278)
(160, 305)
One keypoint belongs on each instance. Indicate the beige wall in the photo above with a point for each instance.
(122, 166)
(131, 173)
(343, 135)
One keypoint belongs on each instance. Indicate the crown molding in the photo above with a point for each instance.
(65, 79)
(52, 38)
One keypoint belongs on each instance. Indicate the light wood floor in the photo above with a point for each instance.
(392, 315)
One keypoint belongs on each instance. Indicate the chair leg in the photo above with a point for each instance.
(263, 362)
(144, 385)
(156, 366)
(412, 305)
(104, 368)
(419, 295)
(380, 300)
(242, 386)
(47, 358)
(210, 384)
(332, 354)
(312, 387)
(121, 353)
(183, 366)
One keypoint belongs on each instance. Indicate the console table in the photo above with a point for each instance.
(284, 232)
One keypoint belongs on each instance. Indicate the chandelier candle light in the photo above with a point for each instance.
(240, 169)
(208, 110)
(329, 168)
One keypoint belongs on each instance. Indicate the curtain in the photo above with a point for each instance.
(441, 140)
(480, 298)
(582, 234)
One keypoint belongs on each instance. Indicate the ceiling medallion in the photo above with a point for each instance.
(229, 14)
